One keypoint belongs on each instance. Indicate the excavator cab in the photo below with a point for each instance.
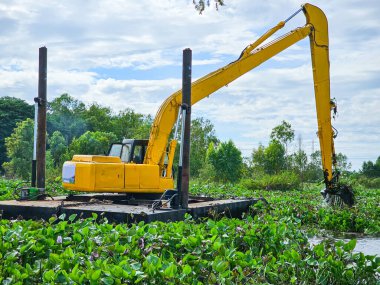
(129, 150)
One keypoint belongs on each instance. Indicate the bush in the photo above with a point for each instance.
(360, 182)
(251, 184)
(286, 180)
(373, 183)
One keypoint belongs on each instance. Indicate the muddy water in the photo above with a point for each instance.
(367, 245)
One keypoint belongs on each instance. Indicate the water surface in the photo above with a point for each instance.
(367, 245)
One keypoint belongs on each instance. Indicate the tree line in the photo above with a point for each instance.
(76, 128)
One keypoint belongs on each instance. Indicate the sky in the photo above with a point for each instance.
(128, 54)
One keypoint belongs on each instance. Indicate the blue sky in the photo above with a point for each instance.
(127, 54)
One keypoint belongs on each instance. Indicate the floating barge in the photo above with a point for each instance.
(122, 210)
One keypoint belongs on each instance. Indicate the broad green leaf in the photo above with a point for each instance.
(117, 271)
(350, 245)
(186, 269)
(61, 278)
(217, 245)
(220, 265)
(52, 220)
(349, 274)
(62, 216)
(72, 217)
(154, 260)
(49, 275)
(77, 237)
(54, 258)
(96, 275)
(107, 281)
(170, 271)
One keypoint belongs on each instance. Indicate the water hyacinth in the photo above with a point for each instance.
(269, 245)
(259, 249)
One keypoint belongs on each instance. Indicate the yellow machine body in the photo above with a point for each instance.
(93, 173)
(154, 173)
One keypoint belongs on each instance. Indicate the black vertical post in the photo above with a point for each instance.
(34, 160)
(34, 165)
(179, 180)
(185, 140)
(41, 124)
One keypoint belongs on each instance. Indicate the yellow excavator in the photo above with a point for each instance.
(145, 166)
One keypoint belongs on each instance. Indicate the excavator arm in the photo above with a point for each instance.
(316, 28)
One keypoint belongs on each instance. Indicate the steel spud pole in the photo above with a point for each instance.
(41, 124)
(186, 105)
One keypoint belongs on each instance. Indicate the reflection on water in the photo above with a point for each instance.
(367, 245)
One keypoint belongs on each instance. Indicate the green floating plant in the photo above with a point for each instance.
(269, 245)
(260, 249)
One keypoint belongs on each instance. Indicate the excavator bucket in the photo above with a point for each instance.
(339, 195)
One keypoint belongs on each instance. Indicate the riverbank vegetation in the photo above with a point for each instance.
(269, 245)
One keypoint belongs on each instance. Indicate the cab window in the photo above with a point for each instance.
(115, 150)
(137, 154)
(125, 153)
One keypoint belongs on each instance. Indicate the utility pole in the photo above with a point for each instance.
(299, 143)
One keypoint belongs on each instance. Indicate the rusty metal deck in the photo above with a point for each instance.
(124, 213)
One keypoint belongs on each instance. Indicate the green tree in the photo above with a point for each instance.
(92, 143)
(258, 160)
(58, 148)
(370, 169)
(268, 160)
(207, 172)
(98, 118)
(202, 134)
(12, 111)
(19, 147)
(299, 163)
(274, 157)
(342, 162)
(227, 161)
(313, 172)
(143, 130)
(65, 114)
(130, 125)
(283, 133)
(52, 172)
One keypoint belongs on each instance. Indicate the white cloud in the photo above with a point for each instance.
(147, 94)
